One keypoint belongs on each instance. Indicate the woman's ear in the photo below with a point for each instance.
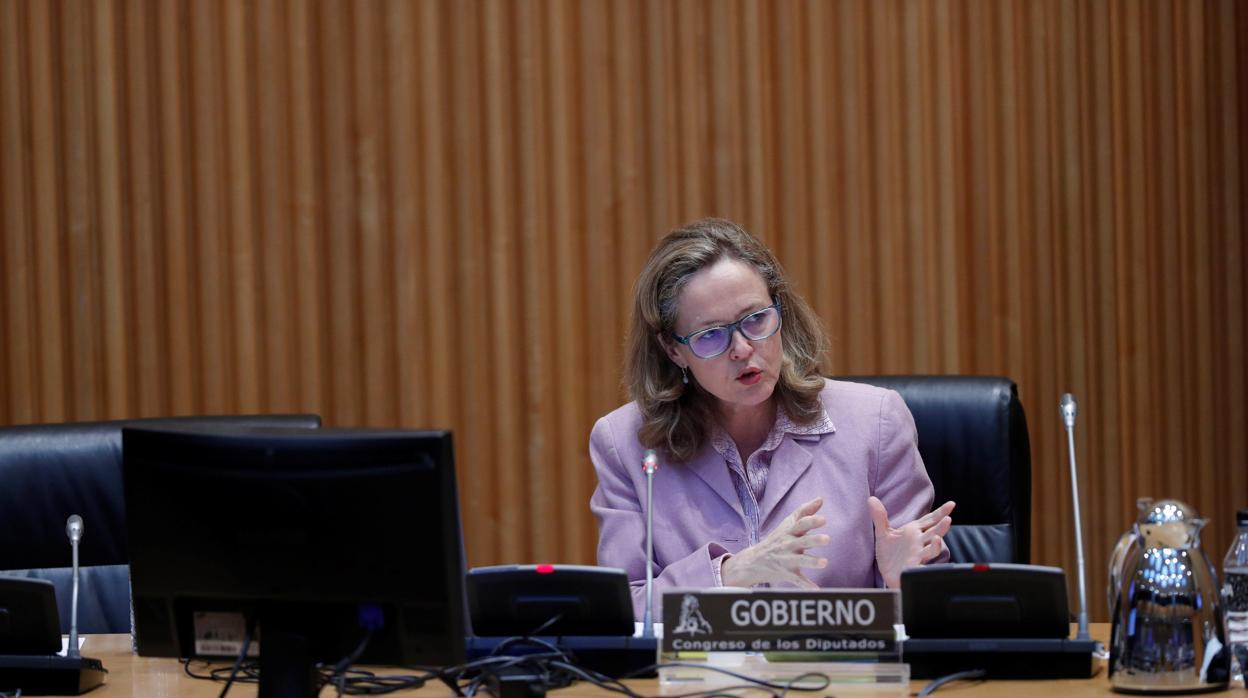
(669, 348)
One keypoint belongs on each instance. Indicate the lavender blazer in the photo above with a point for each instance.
(871, 450)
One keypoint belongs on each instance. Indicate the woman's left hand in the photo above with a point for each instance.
(910, 545)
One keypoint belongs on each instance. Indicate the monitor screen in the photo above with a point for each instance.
(327, 536)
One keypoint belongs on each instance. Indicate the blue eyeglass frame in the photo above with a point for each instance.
(732, 327)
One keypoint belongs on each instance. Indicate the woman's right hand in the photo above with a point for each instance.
(781, 556)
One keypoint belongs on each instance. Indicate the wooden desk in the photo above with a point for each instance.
(144, 677)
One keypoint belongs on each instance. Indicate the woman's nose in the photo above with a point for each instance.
(741, 347)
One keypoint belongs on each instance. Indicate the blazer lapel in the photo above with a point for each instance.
(788, 463)
(710, 466)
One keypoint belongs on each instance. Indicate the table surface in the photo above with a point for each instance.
(130, 675)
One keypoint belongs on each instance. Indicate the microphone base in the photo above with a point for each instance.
(1022, 658)
(50, 674)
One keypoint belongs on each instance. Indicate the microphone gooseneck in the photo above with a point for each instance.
(73, 528)
(1068, 416)
(649, 464)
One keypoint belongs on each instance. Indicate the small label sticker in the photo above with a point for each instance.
(221, 634)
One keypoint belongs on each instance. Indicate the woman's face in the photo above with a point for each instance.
(746, 374)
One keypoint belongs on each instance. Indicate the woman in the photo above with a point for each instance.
(723, 369)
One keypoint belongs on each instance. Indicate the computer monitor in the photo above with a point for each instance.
(313, 537)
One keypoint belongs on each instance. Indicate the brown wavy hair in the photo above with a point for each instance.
(677, 416)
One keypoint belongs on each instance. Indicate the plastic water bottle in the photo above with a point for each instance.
(1235, 591)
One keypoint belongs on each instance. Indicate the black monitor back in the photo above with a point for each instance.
(322, 534)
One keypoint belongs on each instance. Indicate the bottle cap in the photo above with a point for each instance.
(1241, 517)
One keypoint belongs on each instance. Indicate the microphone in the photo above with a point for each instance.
(73, 528)
(1068, 416)
(1068, 410)
(41, 674)
(649, 464)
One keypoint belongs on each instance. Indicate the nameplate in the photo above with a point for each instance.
(823, 621)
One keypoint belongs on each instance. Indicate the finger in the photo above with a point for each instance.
(807, 523)
(805, 561)
(930, 551)
(803, 510)
(933, 517)
(805, 543)
(879, 515)
(808, 508)
(940, 529)
(943, 510)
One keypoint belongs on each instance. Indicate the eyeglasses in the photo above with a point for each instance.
(713, 341)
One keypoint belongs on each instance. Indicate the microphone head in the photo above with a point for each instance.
(650, 462)
(73, 527)
(1069, 410)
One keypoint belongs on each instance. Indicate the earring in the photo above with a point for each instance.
(684, 375)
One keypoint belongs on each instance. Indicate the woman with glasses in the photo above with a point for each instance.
(771, 474)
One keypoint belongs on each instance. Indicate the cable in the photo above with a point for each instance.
(949, 678)
(355, 681)
(790, 685)
(242, 654)
(553, 619)
(347, 661)
(361, 682)
(550, 668)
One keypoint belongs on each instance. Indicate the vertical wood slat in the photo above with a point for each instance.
(17, 377)
(208, 248)
(307, 209)
(406, 189)
(277, 317)
(113, 255)
(567, 242)
(431, 215)
(339, 192)
(371, 144)
(507, 514)
(539, 308)
(470, 341)
(80, 215)
(46, 146)
(148, 361)
(242, 224)
(181, 319)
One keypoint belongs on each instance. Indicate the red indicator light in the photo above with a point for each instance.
(545, 569)
(979, 567)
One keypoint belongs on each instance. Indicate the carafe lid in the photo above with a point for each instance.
(1168, 523)
(1164, 511)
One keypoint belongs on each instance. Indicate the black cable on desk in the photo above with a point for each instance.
(338, 675)
(546, 670)
(971, 674)
(242, 654)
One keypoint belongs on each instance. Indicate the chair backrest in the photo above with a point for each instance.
(50, 471)
(973, 440)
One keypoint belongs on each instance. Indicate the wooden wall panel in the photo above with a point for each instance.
(430, 214)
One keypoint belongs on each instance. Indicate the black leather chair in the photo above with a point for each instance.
(50, 471)
(973, 439)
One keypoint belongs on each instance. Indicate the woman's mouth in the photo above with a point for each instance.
(750, 376)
